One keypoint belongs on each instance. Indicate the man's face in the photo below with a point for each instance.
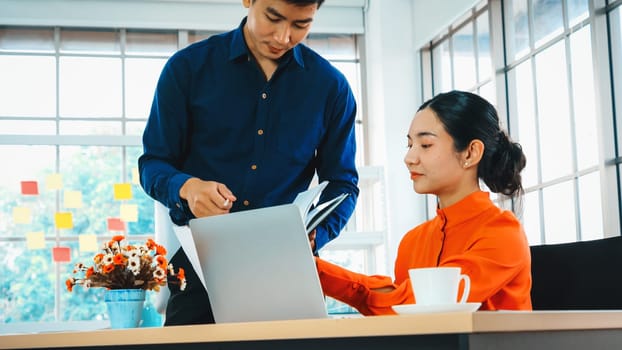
(274, 26)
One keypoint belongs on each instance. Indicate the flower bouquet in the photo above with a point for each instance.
(127, 267)
(126, 271)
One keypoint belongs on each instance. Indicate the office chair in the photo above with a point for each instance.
(578, 275)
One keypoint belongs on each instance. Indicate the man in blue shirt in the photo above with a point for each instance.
(243, 120)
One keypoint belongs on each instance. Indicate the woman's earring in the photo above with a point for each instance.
(466, 164)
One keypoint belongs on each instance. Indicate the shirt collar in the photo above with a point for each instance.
(468, 207)
(239, 48)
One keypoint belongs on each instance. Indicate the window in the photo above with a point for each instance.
(551, 80)
(461, 59)
(73, 105)
(552, 83)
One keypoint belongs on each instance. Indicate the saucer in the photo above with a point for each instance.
(408, 309)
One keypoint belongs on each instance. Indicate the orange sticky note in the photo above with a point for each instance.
(63, 220)
(22, 215)
(87, 242)
(30, 188)
(54, 182)
(72, 199)
(35, 240)
(116, 224)
(122, 191)
(128, 212)
(135, 176)
(61, 254)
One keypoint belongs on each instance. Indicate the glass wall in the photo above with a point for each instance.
(73, 105)
(553, 90)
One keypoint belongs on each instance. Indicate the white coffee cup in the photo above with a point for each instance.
(438, 285)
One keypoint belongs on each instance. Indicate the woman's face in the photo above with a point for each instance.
(273, 27)
(434, 165)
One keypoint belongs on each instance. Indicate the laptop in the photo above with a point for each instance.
(256, 265)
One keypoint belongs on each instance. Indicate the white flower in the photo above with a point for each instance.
(159, 273)
(133, 263)
(108, 259)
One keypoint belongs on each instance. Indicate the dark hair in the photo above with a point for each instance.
(304, 2)
(467, 117)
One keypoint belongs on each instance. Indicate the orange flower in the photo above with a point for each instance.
(119, 259)
(98, 258)
(161, 260)
(118, 238)
(89, 272)
(108, 268)
(181, 274)
(160, 250)
(150, 243)
(69, 284)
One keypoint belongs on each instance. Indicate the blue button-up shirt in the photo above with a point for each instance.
(216, 117)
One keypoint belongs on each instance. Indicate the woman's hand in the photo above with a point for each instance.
(312, 240)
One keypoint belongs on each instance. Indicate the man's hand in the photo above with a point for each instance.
(206, 198)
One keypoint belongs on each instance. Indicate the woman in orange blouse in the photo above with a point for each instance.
(454, 141)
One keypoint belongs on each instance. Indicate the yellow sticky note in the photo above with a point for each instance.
(122, 191)
(54, 182)
(22, 215)
(72, 199)
(35, 240)
(88, 242)
(63, 220)
(135, 176)
(129, 212)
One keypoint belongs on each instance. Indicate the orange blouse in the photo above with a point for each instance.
(488, 243)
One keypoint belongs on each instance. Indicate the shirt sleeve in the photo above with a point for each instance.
(355, 289)
(336, 163)
(164, 143)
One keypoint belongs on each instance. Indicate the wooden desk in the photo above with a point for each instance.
(548, 330)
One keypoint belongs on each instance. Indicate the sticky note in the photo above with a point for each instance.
(54, 182)
(35, 240)
(61, 254)
(128, 212)
(30, 188)
(63, 220)
(72, 199)
(116, 224)
(135, 176)
(122, 191)
(22, 215)
(87, 242)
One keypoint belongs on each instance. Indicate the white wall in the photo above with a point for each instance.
(336, 16)
(392, 97)
(394, 31)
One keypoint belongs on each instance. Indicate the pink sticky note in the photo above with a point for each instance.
(116, 224)
(61, 254)
(30, 188)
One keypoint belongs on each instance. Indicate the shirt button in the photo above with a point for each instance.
(178, 205)
(254, 167)
(260, 132)
(246, 203)
(264, 95)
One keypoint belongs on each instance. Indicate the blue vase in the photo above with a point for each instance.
(125, 307)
